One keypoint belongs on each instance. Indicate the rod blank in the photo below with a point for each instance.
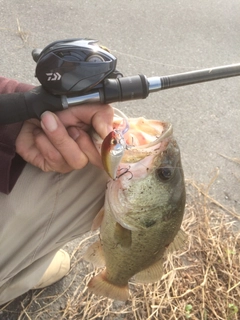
(192, 77)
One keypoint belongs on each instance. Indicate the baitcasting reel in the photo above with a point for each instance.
(74, 66)
(77, 71)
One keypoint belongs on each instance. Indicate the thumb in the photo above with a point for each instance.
(49, 121)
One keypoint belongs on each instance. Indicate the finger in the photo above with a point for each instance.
(102, 121)
(48, 157)
(98, 116)
(86, 145)
(62, 142)
(25, 145)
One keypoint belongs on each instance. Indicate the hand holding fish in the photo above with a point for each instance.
(61, 142)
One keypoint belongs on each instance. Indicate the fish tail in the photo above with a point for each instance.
(99, 285)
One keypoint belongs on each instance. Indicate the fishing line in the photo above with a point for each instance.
(155, 61)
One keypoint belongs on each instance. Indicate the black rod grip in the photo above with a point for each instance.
(12, 108)
(16, 107)
(125, 88)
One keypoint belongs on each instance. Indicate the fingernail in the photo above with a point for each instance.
(48, 121)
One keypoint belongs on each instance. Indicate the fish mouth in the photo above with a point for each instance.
(143, 138)
(147, 144)
(166, 133)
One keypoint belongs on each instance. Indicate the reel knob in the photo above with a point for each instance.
(95, 58)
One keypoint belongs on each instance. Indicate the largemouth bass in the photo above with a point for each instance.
(143, 211)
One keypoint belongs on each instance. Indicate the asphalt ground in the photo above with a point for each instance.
(154, 38)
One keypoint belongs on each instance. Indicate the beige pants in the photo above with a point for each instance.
(43, 212)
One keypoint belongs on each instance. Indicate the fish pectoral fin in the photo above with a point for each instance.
(178, 241)
(94, 254)
(122, 236)
(100, 286)
(151, 274)
(97, 221)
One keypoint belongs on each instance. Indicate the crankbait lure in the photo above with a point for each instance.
(114, 145)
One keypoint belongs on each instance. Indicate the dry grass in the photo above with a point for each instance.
(201, 282)
(21, 33)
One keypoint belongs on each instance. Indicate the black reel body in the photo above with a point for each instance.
(74, 66)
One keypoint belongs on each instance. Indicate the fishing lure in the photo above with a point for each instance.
(114, 145)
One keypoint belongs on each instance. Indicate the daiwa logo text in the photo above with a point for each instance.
(53, 76)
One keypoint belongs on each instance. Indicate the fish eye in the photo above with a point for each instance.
(114, 141)
(164, 173)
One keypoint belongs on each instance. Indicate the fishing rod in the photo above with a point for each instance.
(79, 71)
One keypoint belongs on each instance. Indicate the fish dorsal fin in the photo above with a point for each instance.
(178, 241)
(100, 286)
(94, 254)
(97, 221)
(151, 274)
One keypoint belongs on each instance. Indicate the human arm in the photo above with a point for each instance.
(11, 164)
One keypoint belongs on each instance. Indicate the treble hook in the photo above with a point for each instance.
(126, 170)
